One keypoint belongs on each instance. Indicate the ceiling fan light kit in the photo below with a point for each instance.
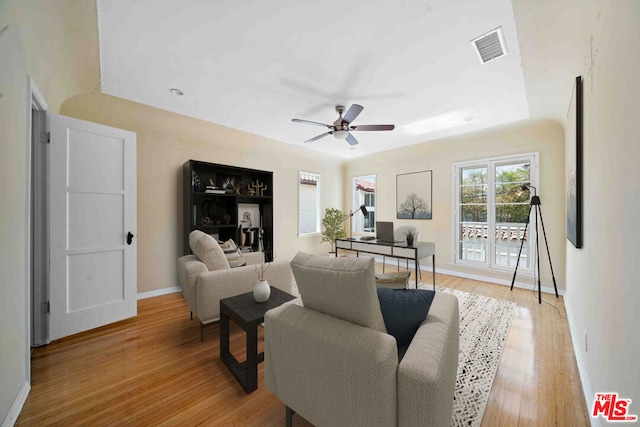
(340, 134)
(341, 128)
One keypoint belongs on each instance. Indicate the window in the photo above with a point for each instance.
(308, 203)
(364, 193)
(491, 211)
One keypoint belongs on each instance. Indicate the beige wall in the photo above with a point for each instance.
(544, 137)
(602, 284)
(55, 43)
(167, 140)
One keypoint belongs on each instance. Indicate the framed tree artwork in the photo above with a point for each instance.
(413, 195)
(573, 167)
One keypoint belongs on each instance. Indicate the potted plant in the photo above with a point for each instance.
(332, 226)
(410, 236)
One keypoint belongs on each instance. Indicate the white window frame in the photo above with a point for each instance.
(491, 163)
(302, 199)
(356, 201)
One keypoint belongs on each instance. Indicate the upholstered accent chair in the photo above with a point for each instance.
(206, 277)
(329, 358)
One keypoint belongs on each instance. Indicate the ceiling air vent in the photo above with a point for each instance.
(490, 46)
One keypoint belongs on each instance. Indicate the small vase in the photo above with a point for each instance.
(261, 291)
(409, 241)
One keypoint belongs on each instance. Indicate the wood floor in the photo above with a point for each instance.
(153, 370)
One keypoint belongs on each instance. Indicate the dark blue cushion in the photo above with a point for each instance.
(403, 311)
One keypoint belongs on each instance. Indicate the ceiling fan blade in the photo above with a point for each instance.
(315, 138)
(311, 123)
(373, 127)
(353, 112)
(351, 139)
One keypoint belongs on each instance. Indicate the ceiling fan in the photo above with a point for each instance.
(342, 127)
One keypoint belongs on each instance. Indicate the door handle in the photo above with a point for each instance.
(129, 238)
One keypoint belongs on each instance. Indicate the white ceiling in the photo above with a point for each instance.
(254, 65)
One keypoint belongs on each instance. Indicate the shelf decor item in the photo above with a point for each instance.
(195, 181)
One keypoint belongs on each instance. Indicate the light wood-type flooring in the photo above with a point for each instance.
(153, 370)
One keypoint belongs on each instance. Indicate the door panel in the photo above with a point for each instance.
(93, 208)
(86, 270)
(97, 220)
(97, 161)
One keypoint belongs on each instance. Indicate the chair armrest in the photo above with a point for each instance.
(427, 372)
(189, 267)
(213, 286)
(331, 371)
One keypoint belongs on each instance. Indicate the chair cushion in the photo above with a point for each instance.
(207, 250)
(341, 287)
(403, 311)
(233, 254)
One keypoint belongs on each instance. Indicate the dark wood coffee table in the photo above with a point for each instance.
(247, 314)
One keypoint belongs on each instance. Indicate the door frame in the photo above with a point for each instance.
(39, 218)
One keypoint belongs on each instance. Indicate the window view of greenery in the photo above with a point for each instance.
(496, 188)
(308, 203)
(364, 193)
(512, 203)
(473, 214)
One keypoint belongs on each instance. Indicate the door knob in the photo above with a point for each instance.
(129, 238)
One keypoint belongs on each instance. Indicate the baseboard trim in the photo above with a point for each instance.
(16, 406)
(520, 285)
(576, 339)
(158, 292)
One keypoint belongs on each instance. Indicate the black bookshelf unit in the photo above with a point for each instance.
(229, 202)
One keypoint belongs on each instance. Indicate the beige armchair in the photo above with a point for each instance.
(331, 360)
(206, 277)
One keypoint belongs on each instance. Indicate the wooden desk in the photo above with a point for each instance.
(416, 252)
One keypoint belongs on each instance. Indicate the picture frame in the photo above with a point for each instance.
(414, 195)
(250, 211)
(573, 165)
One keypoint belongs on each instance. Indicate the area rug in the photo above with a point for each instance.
(484, 324)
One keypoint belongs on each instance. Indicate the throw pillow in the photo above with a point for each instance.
(207, 250)
(403, 311)
(233, 254)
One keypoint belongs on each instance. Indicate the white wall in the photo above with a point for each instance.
(603, 291)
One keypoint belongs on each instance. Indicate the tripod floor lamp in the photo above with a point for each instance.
(364, 210)
(535, 206)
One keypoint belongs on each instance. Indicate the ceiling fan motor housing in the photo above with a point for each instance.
(340, 129)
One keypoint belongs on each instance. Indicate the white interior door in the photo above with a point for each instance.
(92, 211)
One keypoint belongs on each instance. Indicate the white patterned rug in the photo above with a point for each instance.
(484, 323)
